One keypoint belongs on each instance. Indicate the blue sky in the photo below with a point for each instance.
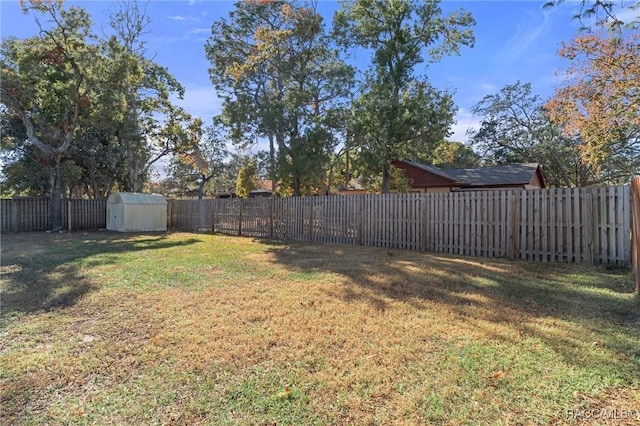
(515, 40)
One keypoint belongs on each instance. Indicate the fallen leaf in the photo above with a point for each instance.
(496, 375)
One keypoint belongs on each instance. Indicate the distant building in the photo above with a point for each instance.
(353, 188)
(425, 178)
(263, 190)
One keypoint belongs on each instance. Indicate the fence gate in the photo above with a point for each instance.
(635, 230)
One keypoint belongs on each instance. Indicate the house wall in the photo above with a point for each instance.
(430, 190)
(422, 178)
(535, 183)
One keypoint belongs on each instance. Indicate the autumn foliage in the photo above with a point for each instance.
(601, 99)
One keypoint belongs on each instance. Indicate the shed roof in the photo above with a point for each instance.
(136, 198)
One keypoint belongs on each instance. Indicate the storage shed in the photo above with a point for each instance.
(134, 212)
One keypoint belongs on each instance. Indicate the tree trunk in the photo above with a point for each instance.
(55, 212)
(296, 186)
(201, 183)
(136, 180)
(386, 179)
(329, 184)
(272, 163)
(130, 164)
(347, 169)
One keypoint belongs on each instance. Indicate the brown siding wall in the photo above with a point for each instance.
(422, 178)
(535, 182)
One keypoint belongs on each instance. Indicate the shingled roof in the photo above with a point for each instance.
(508, 174)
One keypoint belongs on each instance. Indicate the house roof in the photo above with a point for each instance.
(508, 174)
(264, 185)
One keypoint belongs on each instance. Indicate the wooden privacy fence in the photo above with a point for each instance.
(190, 214)
(635, 230)
(32, 214)
(555, 225)
(552, 225)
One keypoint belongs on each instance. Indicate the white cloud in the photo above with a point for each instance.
(465, 121)
(186, 19)
(195, 31)
(528, 31)
(488, 88)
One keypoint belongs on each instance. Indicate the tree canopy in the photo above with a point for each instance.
(600, 100)
(85, 114)
(280, 80)
(398, 114)
(92, 114)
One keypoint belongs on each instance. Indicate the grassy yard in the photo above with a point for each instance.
(104, 328)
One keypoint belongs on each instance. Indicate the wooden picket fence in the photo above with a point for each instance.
(32, 214)
(551, 225)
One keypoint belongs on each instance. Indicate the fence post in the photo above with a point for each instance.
(214, 205)
(514, 227)
(589, 231)
(271, 201)
(14, 215)
(360, 218)
(635, 230)
(425, 221)
(69, 214)
(310, 220)
(240, 203)
(200, 214)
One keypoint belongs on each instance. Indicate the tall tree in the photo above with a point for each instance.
(140, 91)
(410, 127)
(281, 81)
(95, 113)
(44, 83)
(399, 115)
(515, 128)
(600, 100)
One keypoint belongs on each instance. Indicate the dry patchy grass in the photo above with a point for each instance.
(105, 328)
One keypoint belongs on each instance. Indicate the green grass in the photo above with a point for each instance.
(105, 328)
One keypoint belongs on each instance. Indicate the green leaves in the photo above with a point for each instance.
(399, 115)
(601, 100)
(247, 179)
(612, 15)
(280, 79)
(92, 104)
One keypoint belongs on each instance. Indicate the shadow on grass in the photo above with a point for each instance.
(535, 289)
(41, 271)
(482, 292)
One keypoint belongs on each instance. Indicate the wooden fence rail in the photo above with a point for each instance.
(552, 225)
(32, 214)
